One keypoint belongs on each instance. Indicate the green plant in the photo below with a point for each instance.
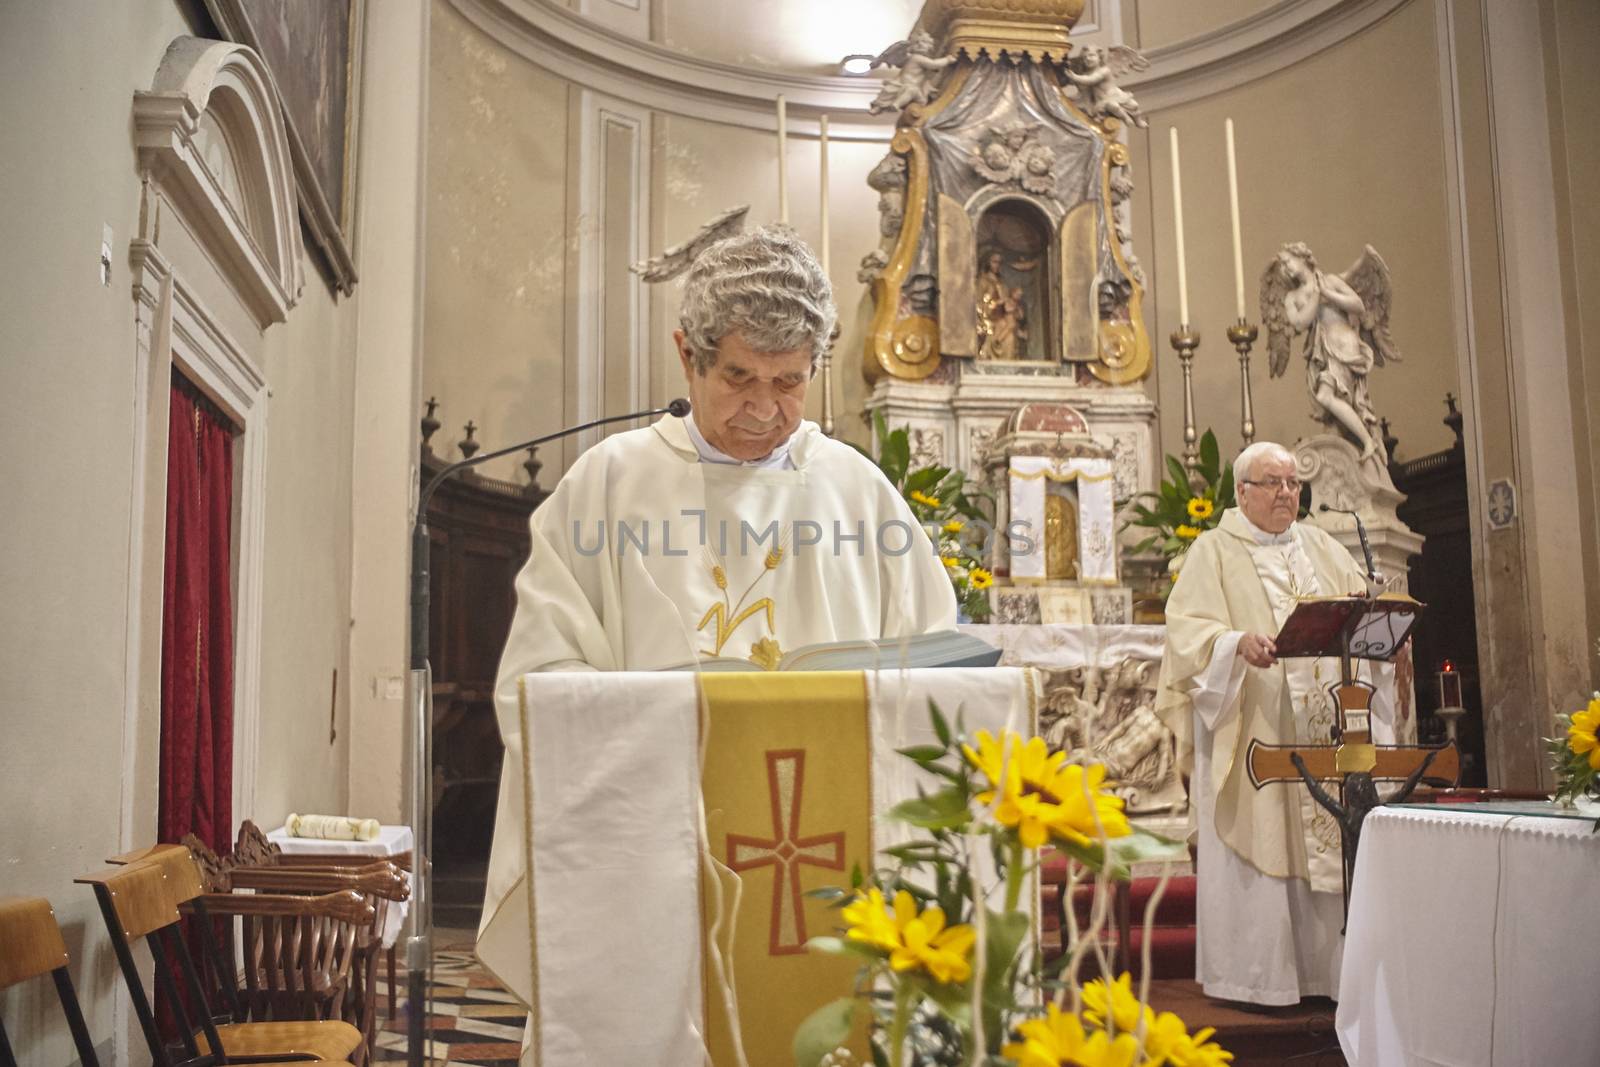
(947, 508)
(1179, 511)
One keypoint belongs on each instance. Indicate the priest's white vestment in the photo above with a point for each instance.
(1269, 862)
(644, 557)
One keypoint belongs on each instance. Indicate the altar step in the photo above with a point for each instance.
(1298, 1036)
(1172, 938)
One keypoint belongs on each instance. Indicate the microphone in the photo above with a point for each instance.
(419, 946)
(1361, 532)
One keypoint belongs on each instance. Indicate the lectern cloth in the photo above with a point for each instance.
(1471, 942)
(606, 947)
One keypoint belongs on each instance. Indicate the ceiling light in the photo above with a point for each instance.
(855, 66)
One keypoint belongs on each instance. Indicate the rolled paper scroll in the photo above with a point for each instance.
(332, 827)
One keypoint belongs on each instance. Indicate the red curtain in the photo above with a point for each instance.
(197, 625)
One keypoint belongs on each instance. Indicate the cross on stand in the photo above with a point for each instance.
(785, 851)
(1372, 628)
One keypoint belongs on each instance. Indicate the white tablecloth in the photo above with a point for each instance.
(1473, 939)
(391, 841)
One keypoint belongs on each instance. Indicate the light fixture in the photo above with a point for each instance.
(855, 66)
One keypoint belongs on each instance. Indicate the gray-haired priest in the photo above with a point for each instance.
(738, 531)
(1269, 861)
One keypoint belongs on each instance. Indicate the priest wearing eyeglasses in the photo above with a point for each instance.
(1270, 880)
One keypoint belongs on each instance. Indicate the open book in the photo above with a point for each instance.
(944, 648)
(1377, 626)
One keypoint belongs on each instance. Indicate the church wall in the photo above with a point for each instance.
(1324, 158)
(811, 37)
(1169, 22)
(497, 243)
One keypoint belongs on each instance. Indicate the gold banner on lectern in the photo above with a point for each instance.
(788, 800)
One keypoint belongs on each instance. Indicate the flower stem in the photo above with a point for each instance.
(1014, 874)
(899, 1024)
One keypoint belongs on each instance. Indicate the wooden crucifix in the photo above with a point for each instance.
(1351, 627)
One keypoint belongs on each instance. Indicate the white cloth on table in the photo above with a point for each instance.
(1471, 942)
(391, 841)
(616, 871)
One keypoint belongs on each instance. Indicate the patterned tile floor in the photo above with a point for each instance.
(474, 1021)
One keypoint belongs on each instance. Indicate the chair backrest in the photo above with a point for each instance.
(137, 903)
(176, 862)
(30, 946)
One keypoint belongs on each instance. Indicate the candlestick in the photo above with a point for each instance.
(827, 382)
(783, 159)
(822, 145)
(1186, 340)
(1238, 248)
(1243, 336)
(1177, 213)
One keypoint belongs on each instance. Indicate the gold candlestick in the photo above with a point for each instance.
(1243, 336)
(827, 382)
(1186, 340)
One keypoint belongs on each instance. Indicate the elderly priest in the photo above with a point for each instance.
(1269, 860)
(739, 531)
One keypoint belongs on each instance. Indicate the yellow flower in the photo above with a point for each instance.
(950, 561)
(1035, 792)
(1116, 1000)
(953, 526)
(766, 654)
(923, 498)
(980, 578)
(1186, 533)
(1581, 735)
(1058, 1039)
(913, 941)
(1167, 1040)
(1200, 508)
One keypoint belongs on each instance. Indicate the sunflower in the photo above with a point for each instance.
(1037, 793)
(950, 561)
(920, 497)
(1186, 533)
(1581, 735)
(980, 578)
(953, 526)
(1083, 805)
(1200, 508)
(1168, 1040)
(1059, 1039)
(1116, 1000)
(913, 941)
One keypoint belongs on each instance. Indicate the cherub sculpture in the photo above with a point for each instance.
(1095, 70)
(1346, 322)
(675, 260)
(1013, 153)
(916, 78)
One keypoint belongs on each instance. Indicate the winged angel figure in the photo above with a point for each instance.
(916, 75)
(1095, 71)
(675, 260)
(1346, 322)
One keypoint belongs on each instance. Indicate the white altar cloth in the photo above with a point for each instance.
(1471, 940)
(391, 841)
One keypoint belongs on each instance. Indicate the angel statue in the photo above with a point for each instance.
(675, 260)
(914, 82)
(1095, 70)
(1346, 321)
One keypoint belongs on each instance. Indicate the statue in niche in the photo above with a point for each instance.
(1346, 322)
(1095, 70)
(1002, 315)
(916, 77)
(1060, 536)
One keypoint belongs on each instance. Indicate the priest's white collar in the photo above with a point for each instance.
(1262, 537)
(685, 438)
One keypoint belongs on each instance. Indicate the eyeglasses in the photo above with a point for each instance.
(1275, 485)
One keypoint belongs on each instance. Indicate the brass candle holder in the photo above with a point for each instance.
(827, 382)
(1186, 340)
(1242, 335)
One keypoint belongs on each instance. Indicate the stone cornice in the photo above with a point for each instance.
(558, 40)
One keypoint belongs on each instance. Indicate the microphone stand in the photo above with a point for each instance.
(419, 945)
(1361, 532)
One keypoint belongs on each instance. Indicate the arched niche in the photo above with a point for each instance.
(210, 138)
(1016, 280)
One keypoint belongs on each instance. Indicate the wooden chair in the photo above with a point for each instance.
(31, 945)
(256, 863)
(138, 903)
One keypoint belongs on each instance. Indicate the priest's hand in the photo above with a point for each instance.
(1258, 650)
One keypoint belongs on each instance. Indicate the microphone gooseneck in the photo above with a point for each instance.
(1361, 532)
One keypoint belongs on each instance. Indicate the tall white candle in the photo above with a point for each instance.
(822, 144)
(1177, 212)
(783, 159)
(1233, 203)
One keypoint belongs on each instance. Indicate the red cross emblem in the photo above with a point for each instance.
(786, 851)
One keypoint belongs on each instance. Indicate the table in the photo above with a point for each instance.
(1472, 939)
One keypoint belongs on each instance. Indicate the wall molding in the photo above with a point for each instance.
(651, 75)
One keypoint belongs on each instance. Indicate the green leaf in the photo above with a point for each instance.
(1142, 846)
(895, 457)
(941, 726)
(1180, 477)
(823, 1031)
(880, 428)
(840, 946)
(925, 478)
(1225, 490)
(828, 892)
(941, 811)
(923, 753)
(1210, 457)
(857, 878)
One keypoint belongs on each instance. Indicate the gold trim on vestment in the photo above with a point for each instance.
(527, 873)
